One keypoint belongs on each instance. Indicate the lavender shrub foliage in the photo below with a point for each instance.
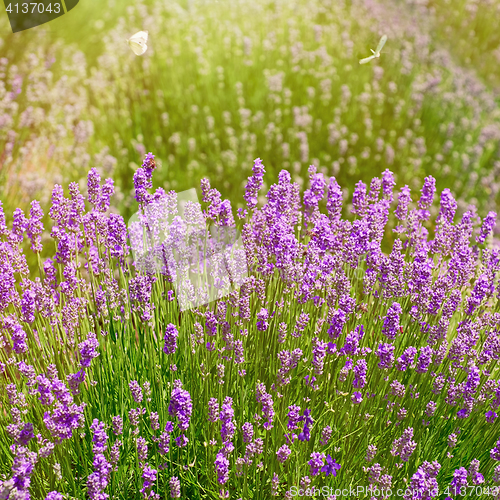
(334, 363)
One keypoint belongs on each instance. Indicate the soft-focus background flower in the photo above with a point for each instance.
(224, 82)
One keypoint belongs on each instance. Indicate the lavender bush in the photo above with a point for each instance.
(334, 365)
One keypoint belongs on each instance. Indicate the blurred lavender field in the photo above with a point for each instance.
(222, 85)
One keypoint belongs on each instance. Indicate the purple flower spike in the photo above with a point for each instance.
(3, 227)
(404, 200)
(448, 207)
(424, 482)
(488, 225)
(495, 452)
(283, 453)
(334, 200)
(428, 191)
(171, 335)
(386, 354)
(180, 406)
(254, 184)
(88, 350)
(388, 184)
(136, 391)
(149, 476)
(93, 186)
(391, 321)
(143, 179)
(175, 487)
(267, 405)
(262, 318)
(34, 227)
(314, 194)
(222, 468)
(18, 335)
(359, 199)
(459, 480)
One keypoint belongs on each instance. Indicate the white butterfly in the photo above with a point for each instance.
(376, 52)
(138, 42)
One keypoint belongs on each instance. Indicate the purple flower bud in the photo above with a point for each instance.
(488, 224)
(391, 322)
(175, 487)
(171, 335)
(136, 391)
(357, 397)
(283, 453)
(88, 350)
(316, 462)
(254, 184)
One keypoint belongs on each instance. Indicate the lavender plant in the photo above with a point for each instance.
(334, 365)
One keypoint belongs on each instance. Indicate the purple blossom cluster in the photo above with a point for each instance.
(180, 406)
(171, 335)
(98, 481)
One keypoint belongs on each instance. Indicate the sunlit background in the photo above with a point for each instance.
(224, 82)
